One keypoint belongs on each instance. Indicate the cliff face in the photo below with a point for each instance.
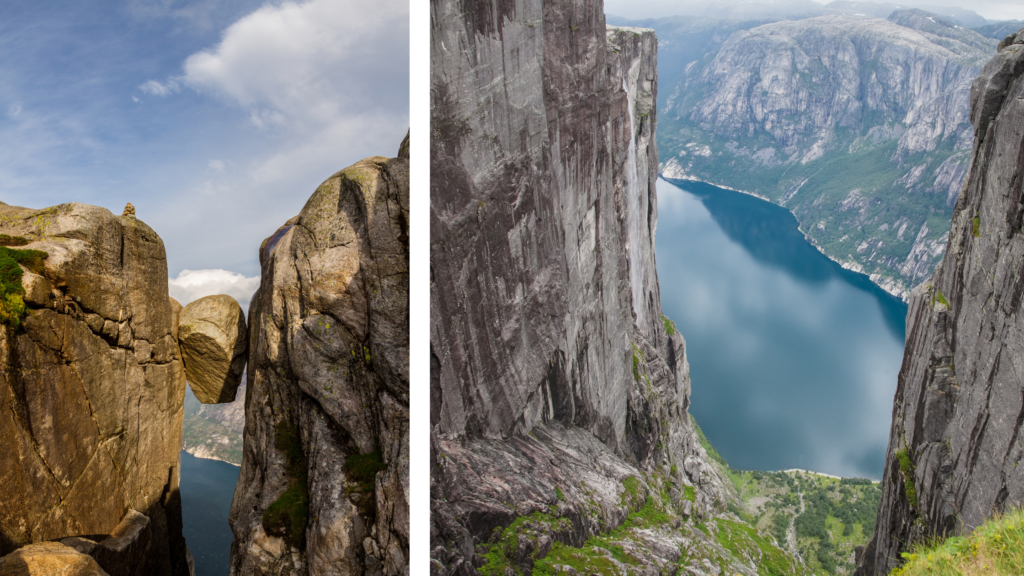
(324, 482)
(858, 125)
(91, 392)
(956, 435)
(559, 393)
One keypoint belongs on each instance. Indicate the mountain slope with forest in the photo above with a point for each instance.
(858, 125)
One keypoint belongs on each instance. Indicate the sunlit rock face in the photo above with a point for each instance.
(324, 482)
(956, 437)
(553, 375)
(214, 345)
(91, 386)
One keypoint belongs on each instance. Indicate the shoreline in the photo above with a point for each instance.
(210, 458)
(902, 293)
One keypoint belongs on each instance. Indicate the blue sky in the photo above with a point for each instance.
(217, 119)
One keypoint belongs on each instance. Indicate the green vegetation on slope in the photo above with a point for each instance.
(288, 515)
(995, 548)
(828, 516)
(851, 201)
(12, 306)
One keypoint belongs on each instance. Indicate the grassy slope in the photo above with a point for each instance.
(838, 515)
(995, 548)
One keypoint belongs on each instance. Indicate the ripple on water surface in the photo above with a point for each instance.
(793, 359)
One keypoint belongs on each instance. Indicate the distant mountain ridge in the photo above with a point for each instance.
(858, 125)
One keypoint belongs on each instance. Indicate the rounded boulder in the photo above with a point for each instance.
(214, 347)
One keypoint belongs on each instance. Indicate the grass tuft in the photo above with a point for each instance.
(996, 547)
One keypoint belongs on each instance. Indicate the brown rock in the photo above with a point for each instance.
(90, 429)
(49, 559)
(176, 309)
(129, 210)
(214, 344)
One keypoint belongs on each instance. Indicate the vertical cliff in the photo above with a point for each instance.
(91, 390)
(559, 392)
(956, 437)
(324, 482)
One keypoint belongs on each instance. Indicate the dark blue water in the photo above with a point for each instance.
(206, 490)
(793, 359)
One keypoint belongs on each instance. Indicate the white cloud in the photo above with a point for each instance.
(154, 88)
(216, 165)
(14, 110)
(305, 63)
(191, 285)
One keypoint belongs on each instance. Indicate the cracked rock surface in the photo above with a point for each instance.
(554, 377)
(959, 403)
(91, 386)
(329, 363)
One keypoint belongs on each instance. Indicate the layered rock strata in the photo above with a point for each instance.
(556, 384)
(91, 386)
(327, 394)
(956, 438)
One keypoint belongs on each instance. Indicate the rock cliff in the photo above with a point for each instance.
(324, 482)
(956, 438)
(91, 391)
(559, 392)
(858, 125)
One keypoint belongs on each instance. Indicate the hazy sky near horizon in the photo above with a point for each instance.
(637, 9)
(217, 119)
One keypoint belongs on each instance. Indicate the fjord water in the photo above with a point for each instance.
(207, 487)
(793, 359)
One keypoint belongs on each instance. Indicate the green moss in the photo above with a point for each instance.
(744, 542)
(907, 467)
(941, 299)
(631, 487)
(6, 240)
(690, 493)
(558, 493)
(670, 326)
(363, 468)
(976, 226)
(707, 445)
(12, 306)
(289, 514)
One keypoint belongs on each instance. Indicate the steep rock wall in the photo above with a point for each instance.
(327, 392)
(960, 398)
(91, 386)
(554, 377)
(857, 125)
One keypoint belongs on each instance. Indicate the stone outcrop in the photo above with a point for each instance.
(858, 125)
(327, 401)
(49, 559)
(956, 438)
(214, 347)
(91, 386)
(558, 390)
